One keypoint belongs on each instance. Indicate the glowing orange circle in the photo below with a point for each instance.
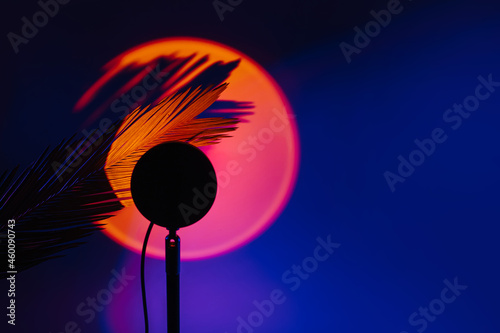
(256, 168)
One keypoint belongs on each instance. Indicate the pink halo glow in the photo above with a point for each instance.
(256, 168)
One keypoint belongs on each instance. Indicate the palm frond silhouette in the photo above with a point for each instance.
(61, 197)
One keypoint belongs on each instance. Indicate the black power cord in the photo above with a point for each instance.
(143, 282)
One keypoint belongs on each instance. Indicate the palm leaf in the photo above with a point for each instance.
(61, 197)
(171, 120)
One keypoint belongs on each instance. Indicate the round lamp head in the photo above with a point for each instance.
(173, 185)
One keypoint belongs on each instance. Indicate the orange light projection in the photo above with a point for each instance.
(256, 168)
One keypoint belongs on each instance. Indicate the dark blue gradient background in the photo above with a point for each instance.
(354, 120)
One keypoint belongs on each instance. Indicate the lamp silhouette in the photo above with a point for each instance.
(173, 185)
